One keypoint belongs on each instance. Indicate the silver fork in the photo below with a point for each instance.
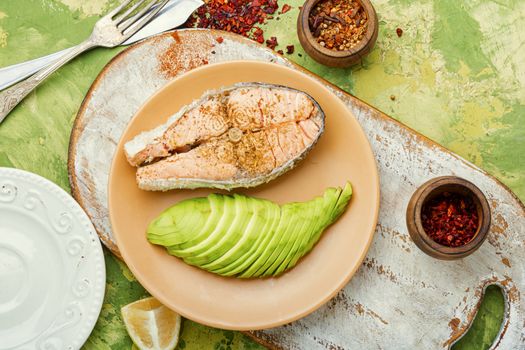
(110, 31)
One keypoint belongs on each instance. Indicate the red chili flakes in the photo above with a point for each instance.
(219, 39)
(272, 42)
(286, 8)
(280, 52)
(236, 16)
(257, 35)
(450, 219)
(290, 49)
(399, 32)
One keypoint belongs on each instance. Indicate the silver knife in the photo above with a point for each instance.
(174, 14)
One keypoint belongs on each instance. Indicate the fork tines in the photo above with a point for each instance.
(129, 21)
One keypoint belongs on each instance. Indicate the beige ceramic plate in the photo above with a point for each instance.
(343, 153)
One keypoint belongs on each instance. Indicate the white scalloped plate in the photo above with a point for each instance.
(52, 272)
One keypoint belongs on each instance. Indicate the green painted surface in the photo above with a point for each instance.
(489, 317)
(457, 75)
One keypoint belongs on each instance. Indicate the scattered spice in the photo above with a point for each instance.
(219, 39)
(257, 35)
(338, 24)
(290, 49)
(399, 32)
(280, 52)
(237, 16)
(272, 42)
(172, 58)
(393, 97)
(286, 8)
(300, 55)
(175, 36)
(450, 219)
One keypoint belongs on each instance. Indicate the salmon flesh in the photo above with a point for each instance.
(240, 136)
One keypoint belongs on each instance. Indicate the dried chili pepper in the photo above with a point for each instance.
(290, 49)
(450, 219)
(399, 32)
(272, 42)
(237, 16)
(258, 35)
(286, 8)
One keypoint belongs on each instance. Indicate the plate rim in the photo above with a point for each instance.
(90, 318)
(304, 311)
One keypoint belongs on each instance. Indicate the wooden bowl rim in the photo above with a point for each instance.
(433, 185)
(372, 26)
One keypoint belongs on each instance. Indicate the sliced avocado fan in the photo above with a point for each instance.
(246, 237)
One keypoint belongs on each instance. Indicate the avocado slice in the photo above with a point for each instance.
(231, 235)
(324, 208)
(311, 217)
(258, 210)
(274, 238)
(227, 217)
(179, 223)
(273, 216)
(296, 231)
(288, 211)
(342, 202)
(216, 203)
(330, 198)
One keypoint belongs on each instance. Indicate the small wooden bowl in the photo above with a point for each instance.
(430, 190)
(334, 58)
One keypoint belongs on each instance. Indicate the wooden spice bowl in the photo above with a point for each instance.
(430, 190)
(334, 58)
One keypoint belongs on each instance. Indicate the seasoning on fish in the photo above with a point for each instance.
(240, 136)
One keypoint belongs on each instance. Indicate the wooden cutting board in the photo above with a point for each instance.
(400, 298)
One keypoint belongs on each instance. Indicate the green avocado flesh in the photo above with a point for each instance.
(246, 237)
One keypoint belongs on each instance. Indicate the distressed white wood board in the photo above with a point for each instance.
(400, 298)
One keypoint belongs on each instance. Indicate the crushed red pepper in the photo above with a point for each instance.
(399, 32)
(290, 49)
(257, 35)
(237, 16)
(286, 8)
(450, 219)
(272, 42)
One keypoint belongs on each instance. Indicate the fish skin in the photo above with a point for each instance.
(276, 127)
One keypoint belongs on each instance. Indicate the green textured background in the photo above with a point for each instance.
(457, 75)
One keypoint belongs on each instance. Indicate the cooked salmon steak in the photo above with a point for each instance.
(240, 136)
